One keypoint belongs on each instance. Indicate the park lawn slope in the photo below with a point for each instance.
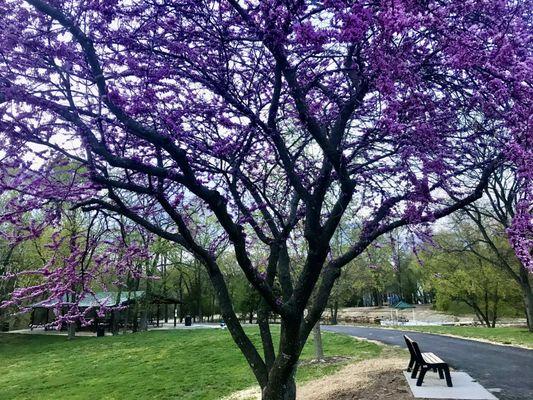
(180, 364)
(505, 335)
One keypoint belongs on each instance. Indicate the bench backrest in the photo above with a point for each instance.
(409, 346)
(413, 349)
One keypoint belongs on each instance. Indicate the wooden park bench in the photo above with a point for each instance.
(425, 362)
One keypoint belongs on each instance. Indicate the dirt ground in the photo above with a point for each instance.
(384, 386)
(379, 378)
(424, 313)
(366, 380)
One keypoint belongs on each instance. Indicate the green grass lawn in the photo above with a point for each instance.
(506, 335)
(180, 364)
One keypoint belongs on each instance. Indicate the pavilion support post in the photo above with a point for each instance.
(46, 320)
(32, 319)
(175, 314)
(114, 322)
(158, 311)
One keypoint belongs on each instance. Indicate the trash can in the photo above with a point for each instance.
(100, 330)
(188, 320)
(4, 326)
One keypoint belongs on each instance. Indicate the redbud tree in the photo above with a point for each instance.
(282, 119)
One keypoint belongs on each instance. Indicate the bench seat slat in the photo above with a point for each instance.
(431, 358)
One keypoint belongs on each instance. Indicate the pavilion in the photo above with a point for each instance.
(400, 306)
(43, 312)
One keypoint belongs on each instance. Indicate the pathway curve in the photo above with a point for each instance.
(495, 367)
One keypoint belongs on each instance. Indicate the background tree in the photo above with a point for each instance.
(467, 277)
(278, 119)
(493, 216)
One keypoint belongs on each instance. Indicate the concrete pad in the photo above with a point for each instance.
(464, 387)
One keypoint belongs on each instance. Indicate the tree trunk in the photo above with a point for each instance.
(143, 323)
(71, 330)
(285, 391)
(199, 310)
(486, 320)
(317, 339)
(114, 322)
(379, 299)
(281, 384)
(4, 323)
(266, 336)
(135, 322)
(180, 297)
(136, 305)
(487, 308)
(165, 291)
(495, 309)
(528, 300)
(199, 314)
(479, 314)
(527, 293)
(213, 302)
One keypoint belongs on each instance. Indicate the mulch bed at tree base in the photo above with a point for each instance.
(385, 385)
(371, 379)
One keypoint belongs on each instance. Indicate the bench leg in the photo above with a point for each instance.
(411, 362)
(415, 370)
(448, 377)
(421, 376)
(441, 375)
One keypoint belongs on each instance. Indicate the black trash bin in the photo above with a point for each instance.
(100, 330)
(188, 320)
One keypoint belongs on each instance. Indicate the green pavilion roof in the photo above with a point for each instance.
(402, 305)
(108, 299)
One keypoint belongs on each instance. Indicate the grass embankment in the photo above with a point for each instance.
(179, 364)
(505, 335)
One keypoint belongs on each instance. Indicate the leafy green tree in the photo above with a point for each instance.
(493, 217)
(463, 276)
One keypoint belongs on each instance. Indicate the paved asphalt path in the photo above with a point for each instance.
(507, 368)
